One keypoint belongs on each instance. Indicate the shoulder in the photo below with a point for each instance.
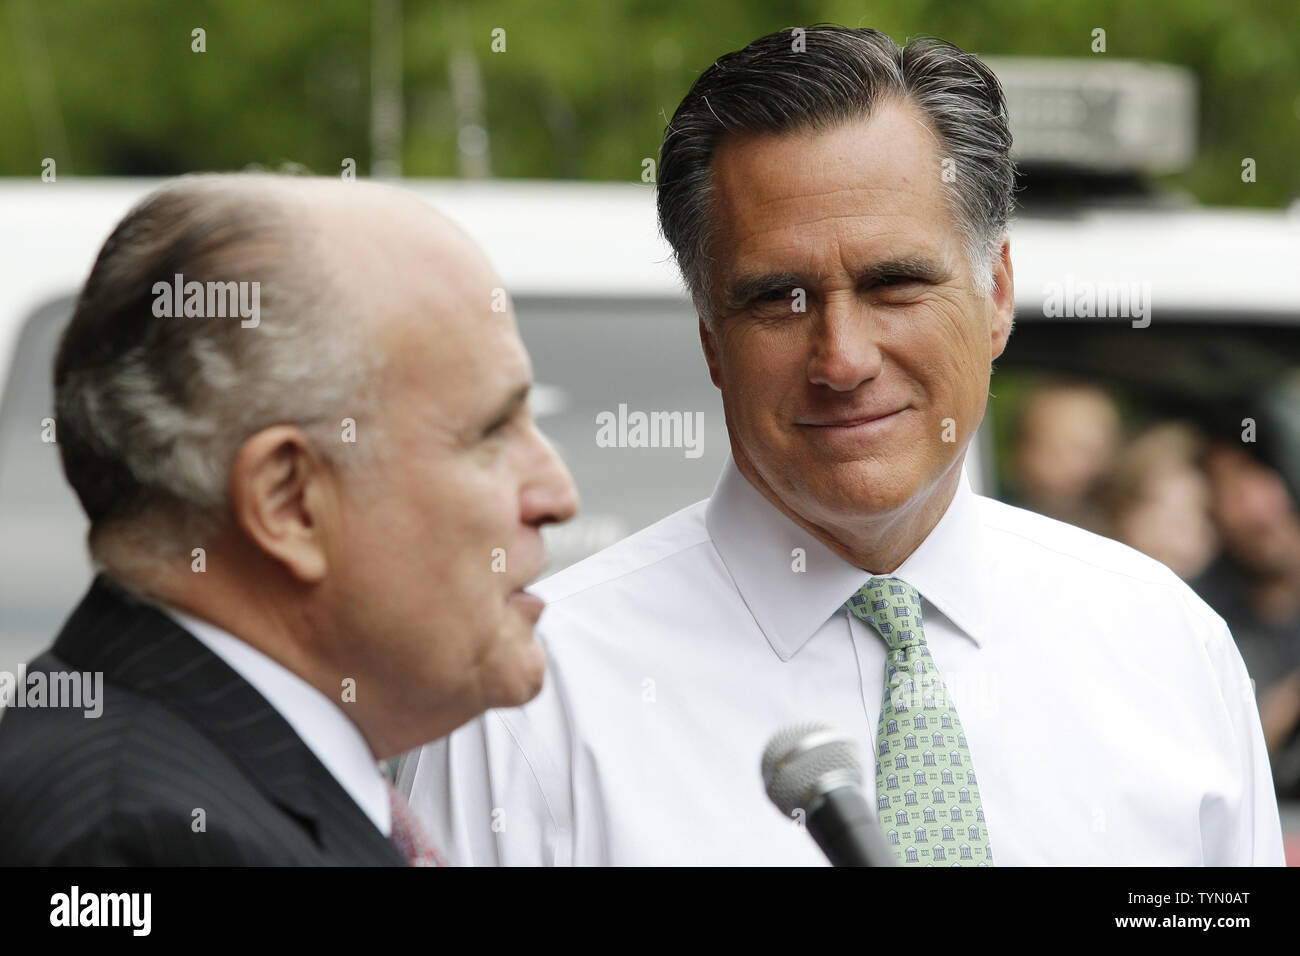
(1084, 565)
(1021, 536)
(655, 547)
(120, 787)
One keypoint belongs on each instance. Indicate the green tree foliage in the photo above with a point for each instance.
(582, 90)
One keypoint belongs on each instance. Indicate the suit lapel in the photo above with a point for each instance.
(140, 648)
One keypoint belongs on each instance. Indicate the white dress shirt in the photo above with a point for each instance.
(322, 725)
(1106, 708)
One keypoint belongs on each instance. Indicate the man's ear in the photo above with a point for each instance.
(280, 493)
(710, 345)
(1004, 300)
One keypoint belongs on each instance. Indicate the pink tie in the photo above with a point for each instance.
(408, 836)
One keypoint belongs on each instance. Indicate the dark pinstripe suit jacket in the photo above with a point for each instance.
(180, 732)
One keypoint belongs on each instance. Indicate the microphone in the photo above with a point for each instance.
(815, 768)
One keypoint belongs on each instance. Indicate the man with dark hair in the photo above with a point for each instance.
(1031, 693)
(1255, 585)
(299, 430)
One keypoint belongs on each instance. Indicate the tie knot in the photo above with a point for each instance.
(893, 608)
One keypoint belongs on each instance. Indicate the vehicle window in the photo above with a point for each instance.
(605, 367)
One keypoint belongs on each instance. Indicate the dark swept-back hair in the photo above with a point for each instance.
(788, 82)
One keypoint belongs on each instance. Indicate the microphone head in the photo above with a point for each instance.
(804, 761)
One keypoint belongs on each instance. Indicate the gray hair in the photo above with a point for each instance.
(839, 75)
(151, 411)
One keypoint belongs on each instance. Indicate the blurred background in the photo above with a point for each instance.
(1157, 145)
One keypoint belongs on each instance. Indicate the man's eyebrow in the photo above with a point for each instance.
(509, 406)
(745, 289)
(904, 267)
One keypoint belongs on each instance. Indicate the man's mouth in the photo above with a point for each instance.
(851, 420)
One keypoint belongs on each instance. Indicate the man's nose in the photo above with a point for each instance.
(549, 496)
(845, 352)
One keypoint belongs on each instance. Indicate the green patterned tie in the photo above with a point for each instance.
(926, 795)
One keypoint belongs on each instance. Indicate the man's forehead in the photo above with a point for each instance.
(461, 372)
(458, 330)
(889, 148)
(869, 178)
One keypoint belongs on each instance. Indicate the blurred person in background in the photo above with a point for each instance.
(1157, 499)
(295, 517)
(1067, 436)
(1255, 586)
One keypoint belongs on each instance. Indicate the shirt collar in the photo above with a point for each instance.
(758, 543)
(337, 742)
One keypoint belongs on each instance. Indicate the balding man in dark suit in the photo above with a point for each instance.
(301, 435)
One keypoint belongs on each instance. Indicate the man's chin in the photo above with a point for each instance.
(855, 489)
(524, 679)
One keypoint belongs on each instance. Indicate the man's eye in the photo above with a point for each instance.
(902, 288)
(773, 295)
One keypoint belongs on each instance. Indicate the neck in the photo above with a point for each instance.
(258, 603)
(876, 543)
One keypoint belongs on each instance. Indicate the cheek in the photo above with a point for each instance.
(974, 346)
(761, 368)
(953, 358)
(471, 533)
(422, 522)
